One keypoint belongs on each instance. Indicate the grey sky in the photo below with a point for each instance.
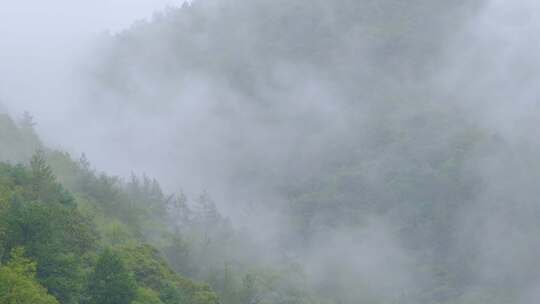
(43, 36)
(42, 41)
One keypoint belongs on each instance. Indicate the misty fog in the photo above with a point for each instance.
(358, 151)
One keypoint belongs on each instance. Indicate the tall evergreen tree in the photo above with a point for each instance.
(111, 282)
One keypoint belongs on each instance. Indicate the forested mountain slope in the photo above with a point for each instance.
(349, 158)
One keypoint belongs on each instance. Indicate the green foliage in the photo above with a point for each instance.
(152, 271)
(111, 282)
(149, 269)
(147, 296)
(40, 216)
(18, 284)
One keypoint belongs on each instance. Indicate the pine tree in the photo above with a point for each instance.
(42, 175)
(111, 282)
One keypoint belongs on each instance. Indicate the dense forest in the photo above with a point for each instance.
(331, 152)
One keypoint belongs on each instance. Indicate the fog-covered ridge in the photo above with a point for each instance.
(383, 151)
(295, 77)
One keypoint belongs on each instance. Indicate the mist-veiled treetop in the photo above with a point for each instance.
(307, 80)
(18, 141)
(241, 43)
